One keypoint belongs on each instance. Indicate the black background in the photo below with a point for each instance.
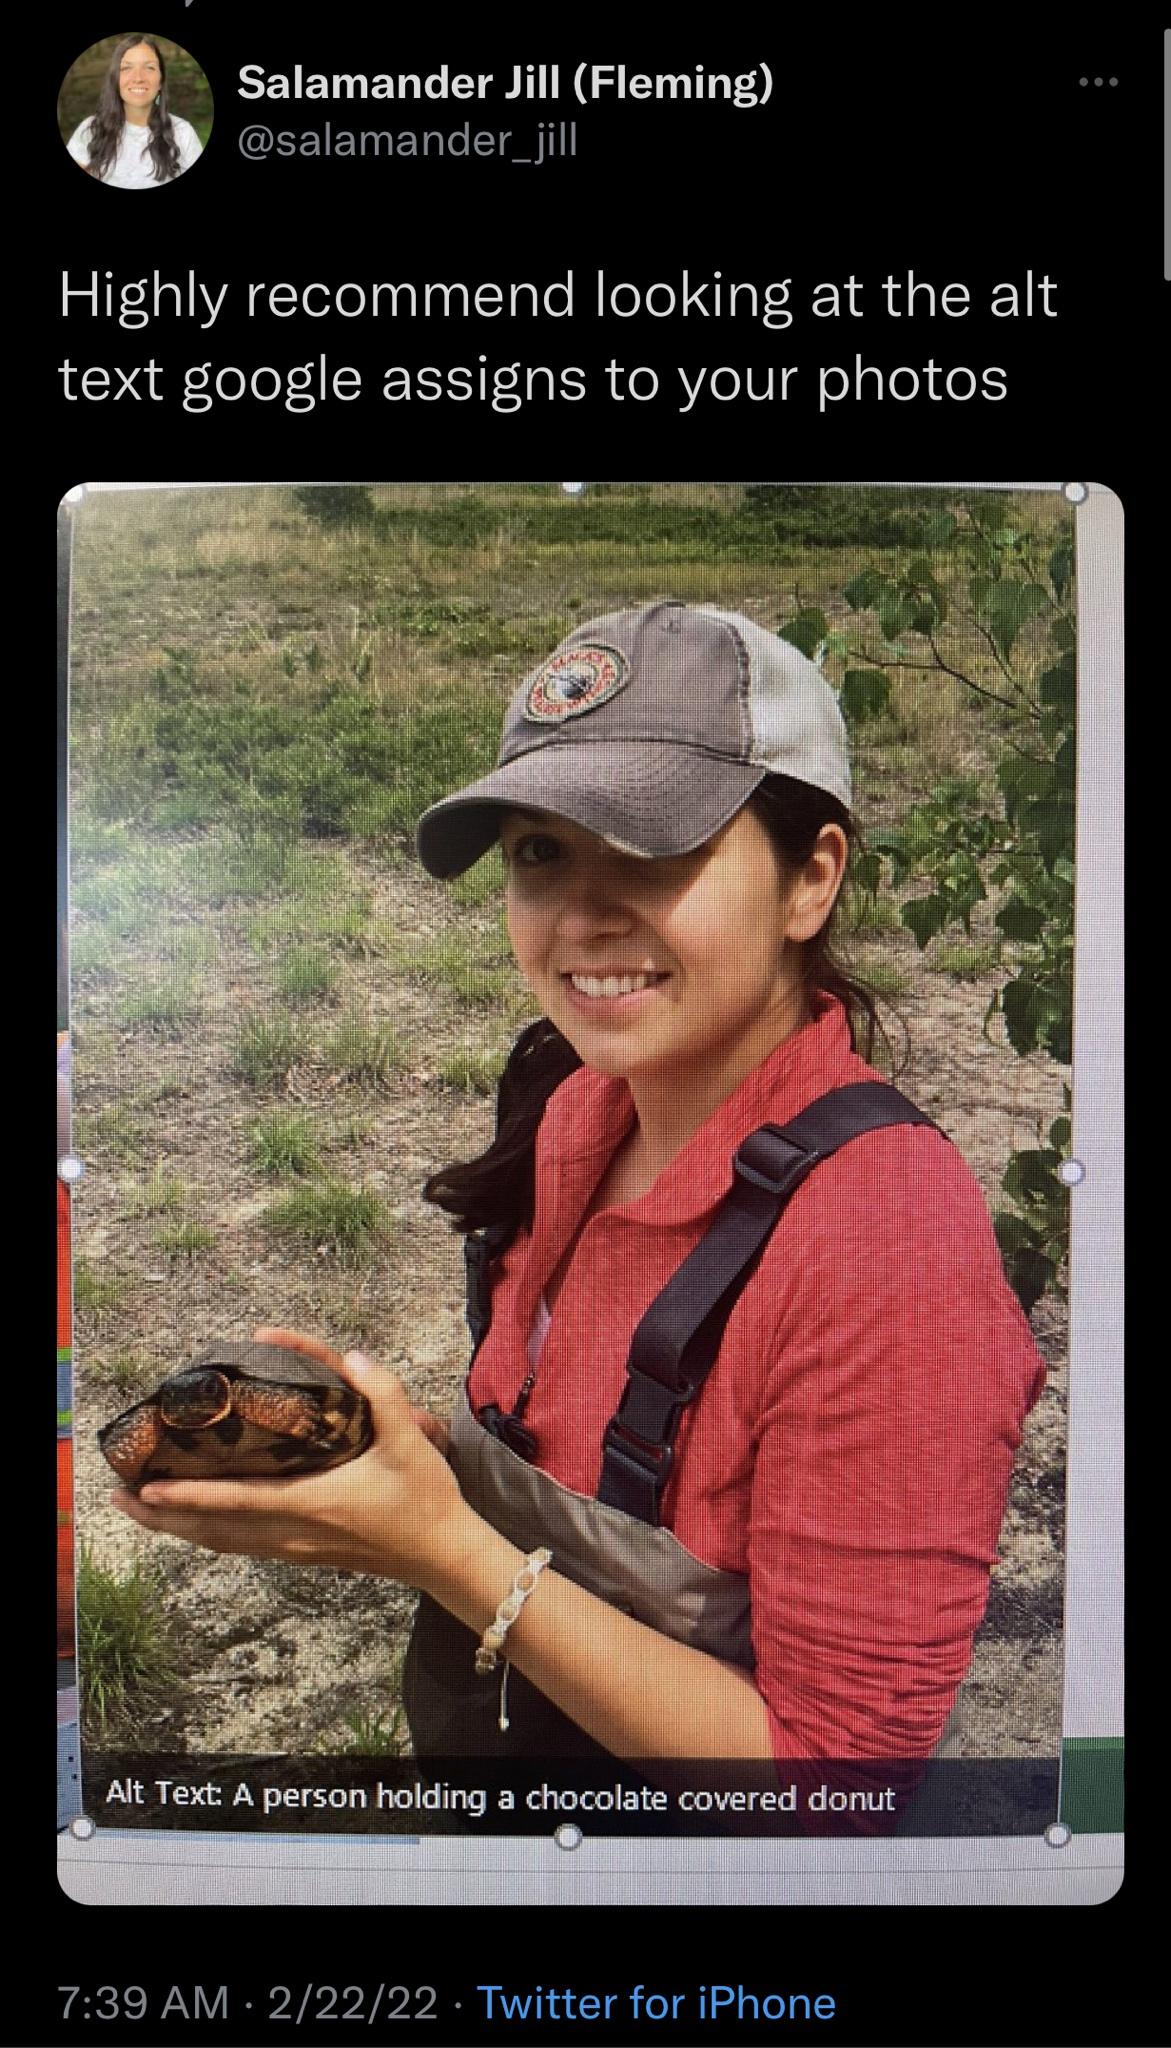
(962, 147)
(882, 150)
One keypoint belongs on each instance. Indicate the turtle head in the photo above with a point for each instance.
(195, 1399)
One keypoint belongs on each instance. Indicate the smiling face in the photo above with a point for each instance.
(140, 79)
(674, 970)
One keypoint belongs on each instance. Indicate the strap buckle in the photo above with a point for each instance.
(634, 1473)
(770, 1160)
(649, 1410)
(510, 1430)
(638, 1445)
(655, 1460)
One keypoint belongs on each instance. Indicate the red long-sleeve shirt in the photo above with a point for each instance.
(851, 1448)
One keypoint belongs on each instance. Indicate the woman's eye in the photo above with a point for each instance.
(537, 850)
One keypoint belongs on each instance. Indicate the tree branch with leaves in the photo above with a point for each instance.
(976, 579)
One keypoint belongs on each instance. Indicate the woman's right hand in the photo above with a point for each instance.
(396, 1511)
(433, 1427)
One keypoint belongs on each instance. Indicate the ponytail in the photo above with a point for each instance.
(500, 1186)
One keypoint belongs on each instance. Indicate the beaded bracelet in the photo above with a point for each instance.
(492, 1640)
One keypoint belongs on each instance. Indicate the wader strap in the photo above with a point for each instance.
(480, 1248)
(675, 1345)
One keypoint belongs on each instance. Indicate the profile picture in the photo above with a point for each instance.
(135, 111)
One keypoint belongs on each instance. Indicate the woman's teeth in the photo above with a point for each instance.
(612, 984)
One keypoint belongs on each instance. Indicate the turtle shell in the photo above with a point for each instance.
(238, 1411)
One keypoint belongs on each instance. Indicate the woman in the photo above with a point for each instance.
(134, 141)
(787, 1554)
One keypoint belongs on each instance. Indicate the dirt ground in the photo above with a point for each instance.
(276, 1658)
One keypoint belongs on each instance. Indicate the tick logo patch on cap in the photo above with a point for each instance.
(575, 681)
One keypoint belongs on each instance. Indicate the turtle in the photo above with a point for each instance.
(239, 1411)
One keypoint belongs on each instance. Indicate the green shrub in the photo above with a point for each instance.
(266, 1050)
(986, 566)
(427, 618)
(340, 920)
(473, 981)
(306, 972)
(123, 1372)
(125, 1647)
(89, 955)
(635, 519)
(476, 1073)
(198, 950)
(111, 1130)
(325, 761)
(179, 810)
(335, 505)
(282, 1144)
(93, 1293)
(372, 1732)
(345, 1222)
(123, 773)
(322, 759)
(248, 866)
(161, 1006)
(159, 1195)
(864, 516)
(471, 967)
(184, 1240)
(884, 977)
(94, 839)
(964, 961)
(359, 1051)
(268, 928)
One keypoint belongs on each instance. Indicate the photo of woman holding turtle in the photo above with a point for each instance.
(134, 142)
(739, 1424)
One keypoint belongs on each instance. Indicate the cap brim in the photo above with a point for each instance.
(647, 796)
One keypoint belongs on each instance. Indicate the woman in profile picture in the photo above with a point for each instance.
(134, 141)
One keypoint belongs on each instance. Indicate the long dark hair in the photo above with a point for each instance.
(498, 1187)
(110, 119)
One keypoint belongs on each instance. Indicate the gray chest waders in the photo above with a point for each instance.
(614, 1544)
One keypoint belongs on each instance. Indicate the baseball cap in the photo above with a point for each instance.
(651, 727)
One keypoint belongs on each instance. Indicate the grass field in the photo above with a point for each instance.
(282, 1026)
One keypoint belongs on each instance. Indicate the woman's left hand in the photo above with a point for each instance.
(396, 1511)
